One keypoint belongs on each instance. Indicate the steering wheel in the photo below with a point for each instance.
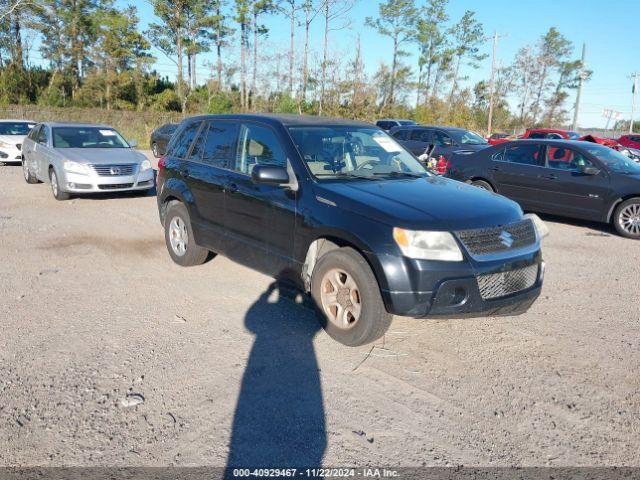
(365, 163)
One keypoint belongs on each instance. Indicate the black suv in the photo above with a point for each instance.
(342, 211)
(445, 141)
(562, 177)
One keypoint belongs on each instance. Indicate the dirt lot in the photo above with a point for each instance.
(111, 354)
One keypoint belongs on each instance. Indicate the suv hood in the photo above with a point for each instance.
(431, 203)
(12, 139)
(101, 155)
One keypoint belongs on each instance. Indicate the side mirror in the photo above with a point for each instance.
(133, 143)
(588, 170)
(269, 175)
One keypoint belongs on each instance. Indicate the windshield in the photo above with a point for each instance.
(471, 138)
(87, 137)
(573, 135)
(16, 128)
(615, 161)
(353, 152)
(406, 122)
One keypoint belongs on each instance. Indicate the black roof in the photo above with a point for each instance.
(439, 127)
(288, 120)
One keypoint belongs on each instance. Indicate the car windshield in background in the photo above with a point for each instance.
(470, 138)
(406, 122)
(614, 160)
(16, 128)
(352, 152)
(87, 137)
(573, 135)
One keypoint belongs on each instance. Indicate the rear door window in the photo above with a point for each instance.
(522, 154)
(180, 147)
(257, 145)
(566, 159)
(220, 144)
(421, 135)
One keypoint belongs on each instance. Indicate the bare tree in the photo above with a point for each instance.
(332, 11)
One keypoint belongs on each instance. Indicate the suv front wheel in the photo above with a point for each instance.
(178, 236)
(626, 218)
(346, 292)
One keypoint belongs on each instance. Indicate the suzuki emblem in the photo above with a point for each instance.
(506, 239)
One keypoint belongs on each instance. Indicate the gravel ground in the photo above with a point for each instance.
(112, 355)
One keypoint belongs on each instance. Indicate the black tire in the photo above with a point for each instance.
(154, 149)
(483, 185)
(193, 254)
(28, 176)
(373, 320)
(58, 194)
(628, 210)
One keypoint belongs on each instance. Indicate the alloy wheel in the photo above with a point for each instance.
(178, 236)
(629, 219)
(54, 183)
(341, 300)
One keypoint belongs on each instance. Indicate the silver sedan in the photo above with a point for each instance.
(83, 158)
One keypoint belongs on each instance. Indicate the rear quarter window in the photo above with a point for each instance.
(181, 142)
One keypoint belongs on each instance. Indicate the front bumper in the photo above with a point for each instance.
(428, 289)
(10, 155)
(93, 183)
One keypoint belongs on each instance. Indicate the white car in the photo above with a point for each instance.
(77, 158)
(12, 135)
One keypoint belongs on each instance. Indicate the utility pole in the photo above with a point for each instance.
(496, 37)
(634, 89)
(582, 75)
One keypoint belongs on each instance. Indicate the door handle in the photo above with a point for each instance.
(494, 169)
(548, 177)
(232, 188)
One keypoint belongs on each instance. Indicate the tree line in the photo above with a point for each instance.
(90, 53)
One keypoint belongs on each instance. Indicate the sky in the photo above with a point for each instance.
(608, 27)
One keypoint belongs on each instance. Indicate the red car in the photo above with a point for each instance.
(552, 133)
(631, 141)
(498, 138)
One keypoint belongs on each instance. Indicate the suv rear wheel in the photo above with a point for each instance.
(178, 236)
(346, 292)
(626, 218)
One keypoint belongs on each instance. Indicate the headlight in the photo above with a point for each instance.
(75, 167)
(145, 165)
(427, 245)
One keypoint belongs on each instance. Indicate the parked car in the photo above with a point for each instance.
(498, 138)
(368, 234)
(84, 158)
(632, 141)
(441, 142)
(570, 178)
(12, 135)
(160, 138)
(387, 124)
(550, 133)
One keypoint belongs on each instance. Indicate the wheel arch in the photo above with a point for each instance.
(484, 179)
(325, 242)
(617, 202)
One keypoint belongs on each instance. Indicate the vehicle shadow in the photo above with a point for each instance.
(279, 419)
(604, 229)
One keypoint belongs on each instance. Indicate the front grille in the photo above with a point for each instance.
(114, 170)
(487, 241)
(115, 186)
(496, 285)
(19, 146)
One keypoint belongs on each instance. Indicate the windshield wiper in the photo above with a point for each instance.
(345, 174)
(402, 174)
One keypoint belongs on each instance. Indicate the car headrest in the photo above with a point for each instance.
(559, 154)
(256, 149)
